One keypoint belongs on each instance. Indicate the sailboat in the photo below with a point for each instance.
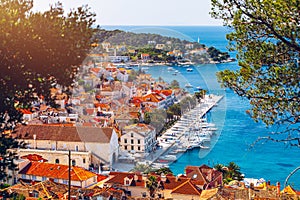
(198, 40)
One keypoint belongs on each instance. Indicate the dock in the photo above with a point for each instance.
(200, 111)
(182, 126)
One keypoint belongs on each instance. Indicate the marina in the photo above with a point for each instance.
(191, 131)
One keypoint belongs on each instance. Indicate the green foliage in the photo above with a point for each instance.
(230, 172)
(174, 84)
(37, 51)
(142, 168)
(152, 185)
(265, 35)
(164, 170)
(216, 54)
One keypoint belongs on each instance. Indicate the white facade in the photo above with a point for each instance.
(139, 138)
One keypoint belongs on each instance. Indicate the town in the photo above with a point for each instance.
(97, 142)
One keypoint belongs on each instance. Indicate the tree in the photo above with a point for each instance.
(164, 170)
(230, 172)
(37, 52)
(141, 168)
(265, 35)
(174, 84)
(152, 185)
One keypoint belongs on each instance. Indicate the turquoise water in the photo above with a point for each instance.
(237, 131)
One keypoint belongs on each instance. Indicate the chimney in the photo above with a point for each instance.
(278, 188)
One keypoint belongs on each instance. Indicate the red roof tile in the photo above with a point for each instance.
(187, 188)
(62, 133)
(56, 171)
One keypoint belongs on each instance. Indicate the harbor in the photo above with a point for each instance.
(192, 130)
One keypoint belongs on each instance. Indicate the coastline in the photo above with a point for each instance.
(150, 160)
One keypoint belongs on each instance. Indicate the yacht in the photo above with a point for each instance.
(189, 69)
(168, 157)
(175, 72)
(188, 85)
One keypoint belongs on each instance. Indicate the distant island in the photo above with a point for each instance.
(146, 48)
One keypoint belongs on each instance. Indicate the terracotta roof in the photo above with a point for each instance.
(152, 98)
(101, 105)
(167, 92)
(118, 178)
(95, 70)
(61, 133)
(172, 182)
(202, 175)
(187, 188)
(25, 111)
(34, 157)
(56, 171)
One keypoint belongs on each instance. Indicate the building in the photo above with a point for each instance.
(169, 186)
(204, 176)
(89, 145)
(145, 56)
(139, 138)
(40, 171)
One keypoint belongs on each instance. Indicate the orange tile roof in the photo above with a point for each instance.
(152, 98)
(57, 171)
(25, 111)
(101, 105)
(118, 177)
(173, 182)
(187, 188)
(167, 92)
(34, 157)
(95, 70)
(62, 133)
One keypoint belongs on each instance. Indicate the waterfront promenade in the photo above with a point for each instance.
(201, 109)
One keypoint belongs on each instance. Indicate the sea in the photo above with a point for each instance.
(237, 137)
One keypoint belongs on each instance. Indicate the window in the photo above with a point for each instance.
(76, 148)
(139, 148)
(139, 141)
(131, 134)
(55, 180)
(44, 178)
(132, 141)
(65, 182)
(125, 140)
(73, 162)
(23, 176)
(33, 177)
(132, 147)
(56, 161)
(125, 147)
(83, 160)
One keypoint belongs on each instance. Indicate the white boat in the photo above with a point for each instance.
(175, 72)
(188, 85)
(189, 69)
(170, 68)
(145, 68)
(203, 147)
(168, 157)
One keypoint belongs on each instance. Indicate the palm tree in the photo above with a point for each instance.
(234, 171)
(230, 172)
(152, 185)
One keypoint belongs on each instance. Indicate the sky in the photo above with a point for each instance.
(141, 12)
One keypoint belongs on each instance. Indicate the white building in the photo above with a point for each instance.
(139, 138)
(97, 145)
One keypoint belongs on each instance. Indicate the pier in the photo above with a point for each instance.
(181, 127)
